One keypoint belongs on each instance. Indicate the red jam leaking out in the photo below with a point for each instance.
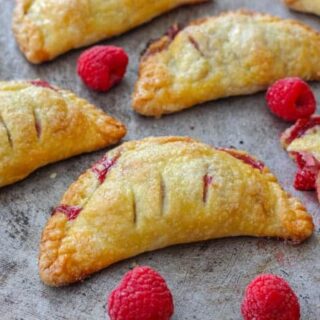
(301, 126)
(173, 31)
(154, 47)
(207, 180)
(245, 158)
(102, 167)
(70, 211)
(304, 159)
(42, 83)
(308, 170)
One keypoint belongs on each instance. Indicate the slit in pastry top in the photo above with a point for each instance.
(160, 192)
(41, 124)
(236, 53)
(45, 29)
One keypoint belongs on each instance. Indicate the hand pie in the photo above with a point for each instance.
(157, 192)
(40, 124)
(47, 28)
(236, 53)
(302, 141)
(310, 6)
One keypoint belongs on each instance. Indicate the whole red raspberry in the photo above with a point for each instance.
(141, 295)
(269, 297)
(102, 67)
(291, 99)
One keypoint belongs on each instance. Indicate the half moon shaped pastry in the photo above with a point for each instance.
(157, 192)
(41, 124)
(302, 141)
(310, 6)
(47, 28)
(236, 53)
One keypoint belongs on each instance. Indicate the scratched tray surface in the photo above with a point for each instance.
(207, 279)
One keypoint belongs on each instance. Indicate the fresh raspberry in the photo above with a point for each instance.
(269, 297)
(102, 67)
(291, 99)
(141, 295)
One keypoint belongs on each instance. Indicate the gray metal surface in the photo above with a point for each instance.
(207, 279)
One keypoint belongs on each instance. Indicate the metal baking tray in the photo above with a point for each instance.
(207, 279)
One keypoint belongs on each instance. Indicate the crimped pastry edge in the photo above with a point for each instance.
(112, 137)
(54, 272)
(28, 35)
(121, 128)
(31, 40)
(156, 46)
(162, 42)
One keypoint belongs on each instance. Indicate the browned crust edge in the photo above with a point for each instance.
(290, 2)
(162, 43)
(53, 268)
(111, 132)
(29, 37)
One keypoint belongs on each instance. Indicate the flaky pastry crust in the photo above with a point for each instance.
(41, 124)
(45, 29)
(157, 192)
(236, 53)
(310, 6)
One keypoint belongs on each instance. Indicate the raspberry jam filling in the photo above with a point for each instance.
(173, 31)
(70, 211)
(42, 83)
(301, 126)
(103, 166)
(308, 170)
(207, 181)
(246, 159)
